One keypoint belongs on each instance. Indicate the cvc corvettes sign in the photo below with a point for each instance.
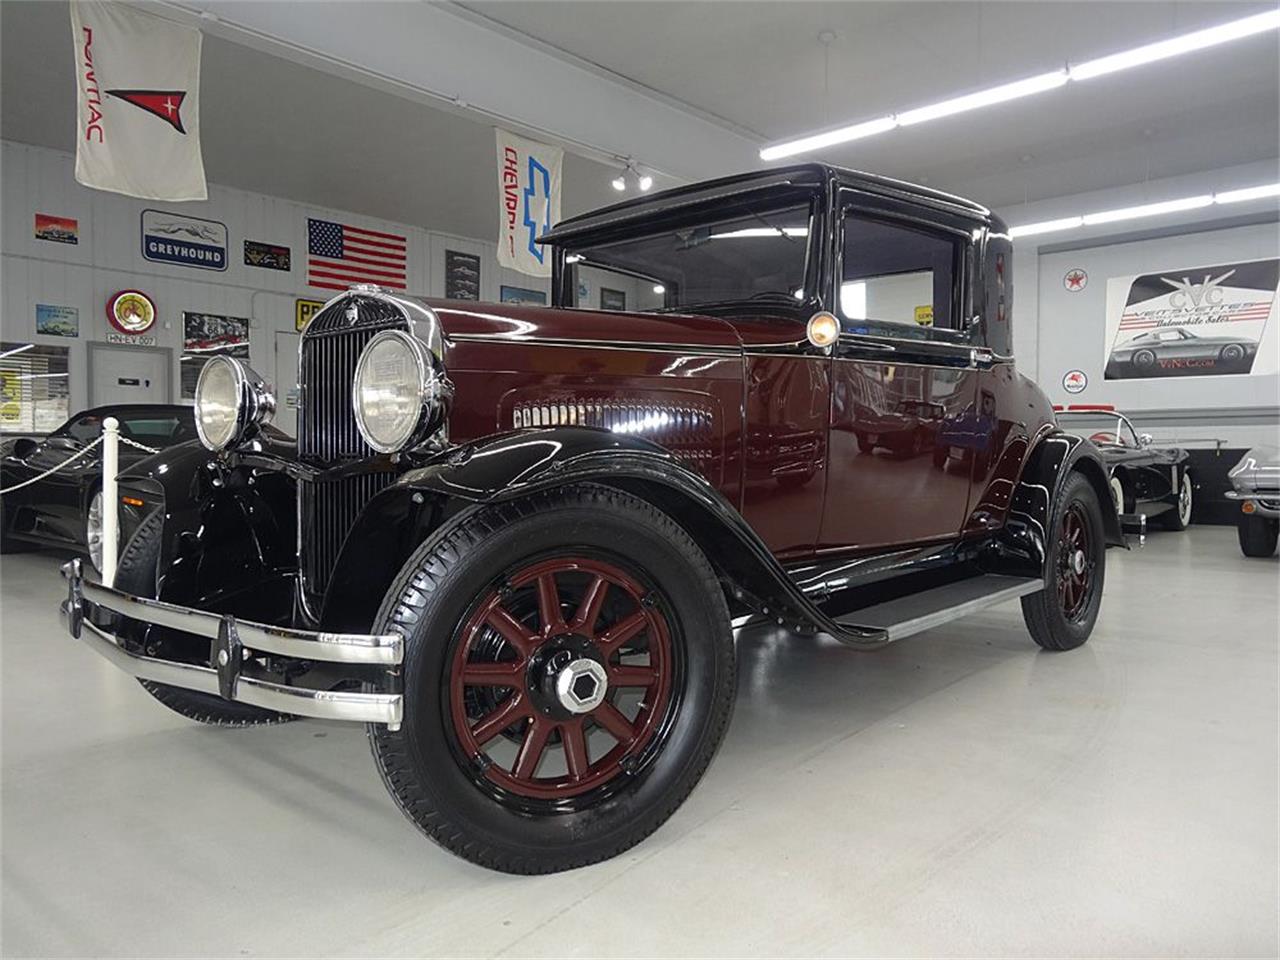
(1193, 321)
(528, 201)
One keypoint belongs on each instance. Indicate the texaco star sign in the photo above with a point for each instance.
(1075, 280)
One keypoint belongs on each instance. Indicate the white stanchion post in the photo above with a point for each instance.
(110, 498)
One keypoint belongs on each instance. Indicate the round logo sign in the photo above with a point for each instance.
(131, 311)
(1075, 280)
(1074, 381)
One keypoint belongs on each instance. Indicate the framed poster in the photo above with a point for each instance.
(461, 276)
(523, 295)
(613, 299)
(269, 256)
(57, 229)
(1191, 321)
(206, 335)
(56, 321)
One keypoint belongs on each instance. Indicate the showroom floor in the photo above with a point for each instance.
(956, 794)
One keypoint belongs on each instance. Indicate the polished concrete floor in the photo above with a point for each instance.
(959, 793)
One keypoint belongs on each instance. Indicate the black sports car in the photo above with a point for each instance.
(1144, 479)
(1170, 351)
(65, 508)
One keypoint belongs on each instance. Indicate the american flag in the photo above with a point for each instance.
(339, 255)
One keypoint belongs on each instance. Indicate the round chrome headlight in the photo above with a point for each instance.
(400, 394)
(230, 398)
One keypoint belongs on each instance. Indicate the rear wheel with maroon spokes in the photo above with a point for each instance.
(1062, 615)
(568, 676)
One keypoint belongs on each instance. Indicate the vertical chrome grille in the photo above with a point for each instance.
(327, 432)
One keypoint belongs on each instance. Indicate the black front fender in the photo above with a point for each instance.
(228, 540)
(1022, 544)
(425, 500)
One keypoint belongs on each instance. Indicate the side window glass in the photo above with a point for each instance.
(896, 279)
(84, 429)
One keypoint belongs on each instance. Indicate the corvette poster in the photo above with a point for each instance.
(1193, 321)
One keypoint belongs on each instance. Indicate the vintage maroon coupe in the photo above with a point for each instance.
(512, 540)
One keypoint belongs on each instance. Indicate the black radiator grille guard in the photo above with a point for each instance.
(327, 432)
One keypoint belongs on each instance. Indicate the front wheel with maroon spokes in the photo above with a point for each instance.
(1062, 615)
(568, 676)
(561, 680)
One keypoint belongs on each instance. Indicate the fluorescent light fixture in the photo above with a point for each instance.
(985, 98)
(574, 258)
(10, 353)
(42, 376)
(1248, 193)
(1149, 53)
(762, 232)
(1148, 210)
(854, 131)
(1260, 192)
(1046, 226)
(1175, 46)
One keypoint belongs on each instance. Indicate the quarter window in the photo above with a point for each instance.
(898, 276)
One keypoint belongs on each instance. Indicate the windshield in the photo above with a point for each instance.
(750, 250)
(156, 428)
(1109, 427)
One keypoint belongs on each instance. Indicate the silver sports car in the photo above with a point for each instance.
(1170, 351)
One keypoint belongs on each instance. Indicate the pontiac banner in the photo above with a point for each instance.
(137, 103)
(1192, 321)
(528, 201)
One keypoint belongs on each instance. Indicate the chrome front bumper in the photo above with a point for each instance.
(232, 642)
(1263, 506)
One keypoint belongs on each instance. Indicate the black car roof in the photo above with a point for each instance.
(806, 174)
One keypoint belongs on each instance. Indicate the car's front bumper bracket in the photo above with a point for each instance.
(91, 610)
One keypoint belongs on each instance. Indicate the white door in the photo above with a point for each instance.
(129, 374)
(286, 382)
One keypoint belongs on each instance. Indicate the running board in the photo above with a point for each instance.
(923, 611)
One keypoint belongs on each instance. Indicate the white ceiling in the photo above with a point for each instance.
(272, 126)
(760, 66)
(279, 127)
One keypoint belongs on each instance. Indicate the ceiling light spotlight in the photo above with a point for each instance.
(645, 182)
(619, 183)
(659, 288)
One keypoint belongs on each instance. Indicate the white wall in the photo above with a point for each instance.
(1026, 251)
(108, 258)
(1055, 332)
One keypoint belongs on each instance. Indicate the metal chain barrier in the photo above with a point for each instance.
(52, 470)
(74, 457)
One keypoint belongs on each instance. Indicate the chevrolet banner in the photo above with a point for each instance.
(528, 200)
(137, 103)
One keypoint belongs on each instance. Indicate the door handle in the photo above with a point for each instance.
(982, 357)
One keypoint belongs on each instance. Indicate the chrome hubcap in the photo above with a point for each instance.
(1077, 562)
(581, 686)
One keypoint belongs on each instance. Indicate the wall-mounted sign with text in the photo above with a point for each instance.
(185, 241)
(1193, 321)
(303, 311)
